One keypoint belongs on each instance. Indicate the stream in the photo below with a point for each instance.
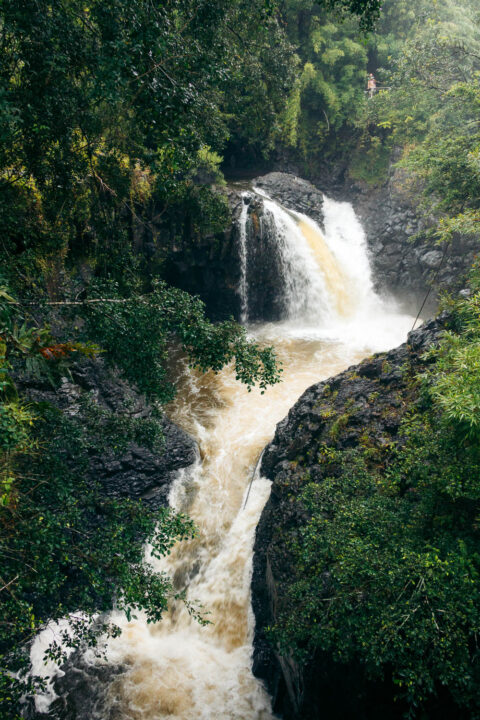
(178, 668)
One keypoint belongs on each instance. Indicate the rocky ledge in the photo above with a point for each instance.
(406, 259)
(293, 193)
(138, 472)
(370, 397)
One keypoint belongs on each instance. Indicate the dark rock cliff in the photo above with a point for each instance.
(370, 398)
(405, 261)
(138, 472)
(265, 287)
(265, 299)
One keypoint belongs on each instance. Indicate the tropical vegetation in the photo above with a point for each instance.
(115, 119)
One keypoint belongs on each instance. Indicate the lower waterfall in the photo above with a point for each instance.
(177, 668)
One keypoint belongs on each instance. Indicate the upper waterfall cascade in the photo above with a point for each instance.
(325, 276)
(179, 669)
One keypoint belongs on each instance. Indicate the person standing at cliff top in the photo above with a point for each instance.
(372, 85)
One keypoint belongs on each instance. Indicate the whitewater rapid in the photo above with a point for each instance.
(177, 668)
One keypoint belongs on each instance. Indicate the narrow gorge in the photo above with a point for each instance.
(239, 360)
(306, 287)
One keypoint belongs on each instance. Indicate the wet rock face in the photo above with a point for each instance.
(371, 397)
(405, 261)
(139, 472)
(266, 301)
(266, 291)
(293, 193)
(82, 692)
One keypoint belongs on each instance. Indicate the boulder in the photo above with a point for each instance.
(293, 193)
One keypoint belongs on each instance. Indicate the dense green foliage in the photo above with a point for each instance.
(431, 108)
(388, 563)
(114, 115)
(332, 74)
(149, 322)
(426, 61)
(107, 113)
(387, 566)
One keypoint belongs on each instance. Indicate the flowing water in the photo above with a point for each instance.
(243, 286)
(177, 668)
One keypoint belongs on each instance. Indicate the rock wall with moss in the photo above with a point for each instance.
(364, 582)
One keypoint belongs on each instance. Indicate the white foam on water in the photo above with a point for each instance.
(49, 670)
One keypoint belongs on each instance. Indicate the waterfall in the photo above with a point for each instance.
(326, 279)
(305, 291)
(332, 318)
(243, 287)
